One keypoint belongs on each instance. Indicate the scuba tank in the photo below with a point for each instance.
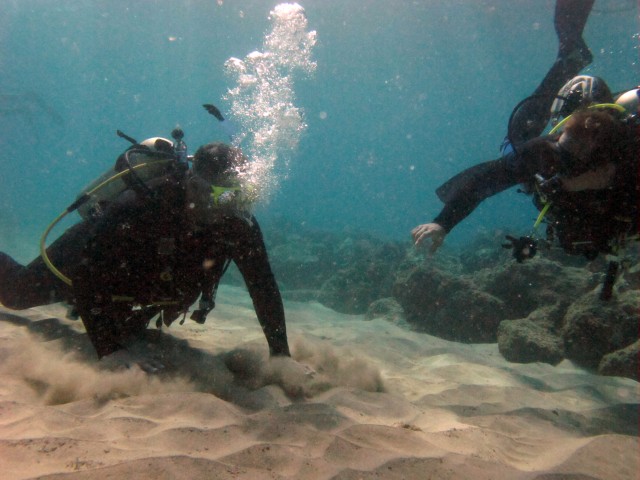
(152, 158)
(144, 162)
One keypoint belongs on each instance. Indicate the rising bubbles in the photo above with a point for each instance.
(262, 99)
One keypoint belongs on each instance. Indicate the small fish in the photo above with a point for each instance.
(213, 110)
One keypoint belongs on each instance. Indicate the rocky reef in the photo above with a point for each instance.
(546, 309)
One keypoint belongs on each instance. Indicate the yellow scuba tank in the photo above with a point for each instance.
(150, 159)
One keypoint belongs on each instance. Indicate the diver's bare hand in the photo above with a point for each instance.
(432, 231)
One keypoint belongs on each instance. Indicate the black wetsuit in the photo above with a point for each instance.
(145, 251)
(584, 222)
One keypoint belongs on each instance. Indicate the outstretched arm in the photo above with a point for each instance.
(464, 192)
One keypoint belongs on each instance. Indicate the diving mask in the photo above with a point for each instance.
(225, 195)
(206, 202)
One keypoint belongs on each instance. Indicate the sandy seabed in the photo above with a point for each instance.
(384, 403)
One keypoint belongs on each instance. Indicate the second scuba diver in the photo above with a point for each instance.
(583, 179)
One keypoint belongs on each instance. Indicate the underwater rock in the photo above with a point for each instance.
(347, 270)
(447, 306)
(300, 264)
(300, 295)
(622, 363)
(351, 290)
(524, 287)
(484, 251)
(542, 310)
(526, 341)
(366, 273)
(481, 258)
(387, 308)
(593, 328)
(416, 290)
(471, 316)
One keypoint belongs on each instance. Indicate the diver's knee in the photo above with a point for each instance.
(11, 302)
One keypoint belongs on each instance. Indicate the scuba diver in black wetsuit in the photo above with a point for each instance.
(155, 237)
(531, 116)
(584, 181)
(589, 197)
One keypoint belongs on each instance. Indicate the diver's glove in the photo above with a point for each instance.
(523, 247)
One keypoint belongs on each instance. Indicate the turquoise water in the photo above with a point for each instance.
(404, 95)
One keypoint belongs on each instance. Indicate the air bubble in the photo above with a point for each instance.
(262, 99)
